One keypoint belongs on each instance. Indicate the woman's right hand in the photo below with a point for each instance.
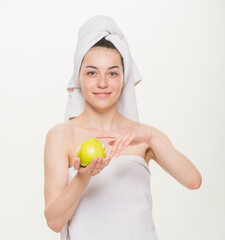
(93, 168)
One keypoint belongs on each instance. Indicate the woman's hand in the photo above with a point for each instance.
(140, 133)
(93, 168)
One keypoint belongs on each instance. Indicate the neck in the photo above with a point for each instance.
(103, 121)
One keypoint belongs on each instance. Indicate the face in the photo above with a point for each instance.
(101, 71)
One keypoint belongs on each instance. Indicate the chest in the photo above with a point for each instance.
(79, 136)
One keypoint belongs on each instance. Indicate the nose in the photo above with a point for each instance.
(102, 81)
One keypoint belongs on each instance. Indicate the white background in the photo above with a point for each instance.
(178, 47)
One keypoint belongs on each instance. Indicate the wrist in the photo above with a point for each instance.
(83, 177)
(151, 134)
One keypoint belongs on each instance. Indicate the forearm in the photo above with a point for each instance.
(173, 161)
(62, 208)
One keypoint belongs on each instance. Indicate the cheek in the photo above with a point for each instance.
(115, 85)
(80, 80)
(88, 85)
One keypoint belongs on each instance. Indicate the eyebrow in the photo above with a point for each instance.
(90, 66)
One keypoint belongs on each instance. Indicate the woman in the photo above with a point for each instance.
(102, 200)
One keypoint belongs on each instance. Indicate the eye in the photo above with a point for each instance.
(113, 74)
(90, 73)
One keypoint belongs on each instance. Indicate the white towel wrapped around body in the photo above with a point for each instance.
(116, 205)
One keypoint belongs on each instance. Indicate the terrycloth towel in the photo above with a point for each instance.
(90, 33)
(116, 204)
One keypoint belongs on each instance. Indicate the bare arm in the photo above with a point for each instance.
(61, 198)
(65, 204)
(173, 161)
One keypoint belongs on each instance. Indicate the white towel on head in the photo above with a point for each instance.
(90, 33)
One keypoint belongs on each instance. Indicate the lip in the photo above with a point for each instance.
(102, 94)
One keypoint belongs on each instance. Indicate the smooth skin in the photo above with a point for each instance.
(161, 150)
(102, 70)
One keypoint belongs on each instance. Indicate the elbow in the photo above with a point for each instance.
(196, 183)
(54, 227)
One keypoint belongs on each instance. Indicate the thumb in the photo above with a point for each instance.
(77, 163)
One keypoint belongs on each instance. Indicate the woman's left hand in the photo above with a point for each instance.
(140, 133)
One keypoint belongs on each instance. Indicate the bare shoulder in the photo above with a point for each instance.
(155, 131)
(63, 128)
(61, 134)
(128, 123)
(132, 123)
(158, 132)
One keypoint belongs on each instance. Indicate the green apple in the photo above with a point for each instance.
(90, 149)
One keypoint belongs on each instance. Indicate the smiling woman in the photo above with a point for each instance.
(101, 74)
(113, 200)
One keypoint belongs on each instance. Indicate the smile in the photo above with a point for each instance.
(102, 95)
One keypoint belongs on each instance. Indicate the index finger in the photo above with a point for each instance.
(108, 135)
(108, 160)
